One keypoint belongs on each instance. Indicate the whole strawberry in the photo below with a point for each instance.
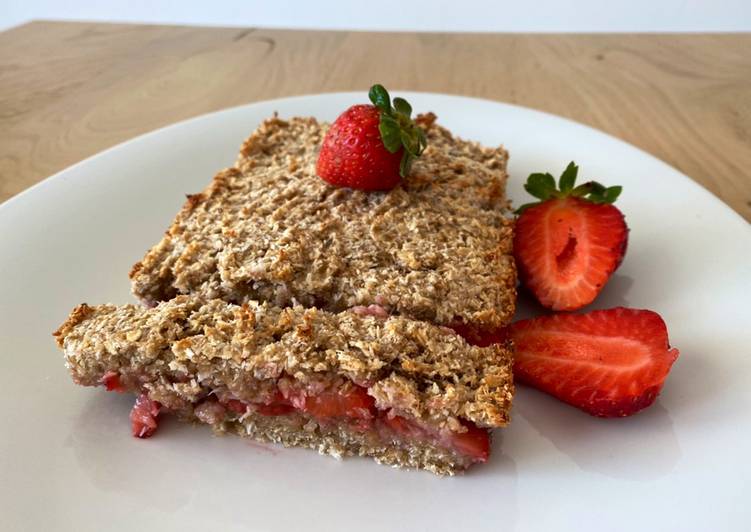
(371, 147)
(569, 244)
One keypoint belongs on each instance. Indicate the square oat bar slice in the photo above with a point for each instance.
(436, 248)
(405, 392)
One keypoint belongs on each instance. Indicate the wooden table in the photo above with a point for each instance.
(69, 90)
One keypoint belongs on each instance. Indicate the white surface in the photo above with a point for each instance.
(68, 462)
(425, 15)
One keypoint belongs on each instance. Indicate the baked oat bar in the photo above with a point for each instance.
(404, 392)
(437, 247)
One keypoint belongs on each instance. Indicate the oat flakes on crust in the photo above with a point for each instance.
(185, 348)
(437, 247)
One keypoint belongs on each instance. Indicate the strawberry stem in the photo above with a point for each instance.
(398, 130)
(542, 186)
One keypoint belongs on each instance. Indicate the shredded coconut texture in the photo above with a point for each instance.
(185, 348)
(437, 247)
(187, 353)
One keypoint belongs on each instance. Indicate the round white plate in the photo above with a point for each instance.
(68, 462)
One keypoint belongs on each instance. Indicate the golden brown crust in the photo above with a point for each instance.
(185, 348)
(437, 247)
(77, 315)
(135, 269)
(339, 442)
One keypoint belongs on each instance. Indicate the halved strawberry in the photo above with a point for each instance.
(568, 245)
(350, 402)
(609, 363)
(143, 416)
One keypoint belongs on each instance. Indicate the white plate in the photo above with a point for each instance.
(68, 462)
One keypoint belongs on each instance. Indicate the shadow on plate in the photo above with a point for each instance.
(185, 470)
(641, 447)
(615, 294)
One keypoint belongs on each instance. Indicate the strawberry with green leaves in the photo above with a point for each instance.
(569, 243)
(371, 147)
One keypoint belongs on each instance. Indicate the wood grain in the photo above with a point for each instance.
(69, 90)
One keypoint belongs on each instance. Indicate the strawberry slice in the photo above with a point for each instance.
(350, 402)
(609, 363)
(474, 443)
(567, 246)
(111, 381)
(480, 337)
(143, 416)
(275, 409)
(277, 405)
(402, 426)
(238, 407)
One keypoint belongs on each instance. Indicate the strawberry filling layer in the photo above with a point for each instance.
(349, 404)
(353, 404)
(143, 416)
(111, 381)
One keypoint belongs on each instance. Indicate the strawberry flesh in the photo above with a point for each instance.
(111, 382)
(276, 409)
(238, 407)
(609, 363)
(566, 249)
(478, 336)
(474, 442)
(143, 416)
(352, 402)
(399, 425)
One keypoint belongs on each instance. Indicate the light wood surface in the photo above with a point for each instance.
(69, 90)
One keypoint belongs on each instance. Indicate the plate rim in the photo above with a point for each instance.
(562, 459)
(11, 202)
